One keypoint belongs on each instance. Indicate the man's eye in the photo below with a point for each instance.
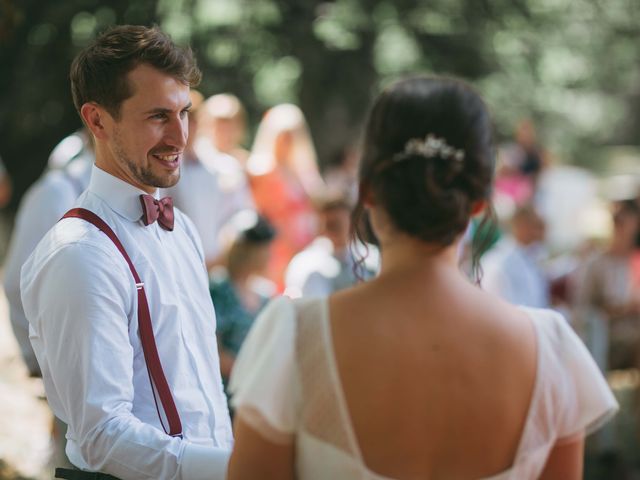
(184, 113)
(159, 116)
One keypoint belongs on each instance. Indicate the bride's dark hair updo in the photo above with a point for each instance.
(427, 158)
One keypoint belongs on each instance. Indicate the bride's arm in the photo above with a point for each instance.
(264, 388)
(256, 456)
(565, 461)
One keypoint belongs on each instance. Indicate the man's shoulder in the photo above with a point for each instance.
(72, 238)
(73, 264)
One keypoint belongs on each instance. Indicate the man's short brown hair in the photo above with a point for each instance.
(99, 73)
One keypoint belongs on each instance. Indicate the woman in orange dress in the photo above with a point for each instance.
(284, 177)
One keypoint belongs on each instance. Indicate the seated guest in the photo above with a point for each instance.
(42, 205)
(417, 373)
(511, 268)
(242, 291)
(331, 262)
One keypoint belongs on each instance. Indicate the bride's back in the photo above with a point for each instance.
(437, 377)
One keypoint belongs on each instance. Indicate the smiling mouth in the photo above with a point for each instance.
(170, 160)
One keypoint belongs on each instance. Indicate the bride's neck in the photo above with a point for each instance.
(403, 253)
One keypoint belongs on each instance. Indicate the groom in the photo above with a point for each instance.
(130, 416)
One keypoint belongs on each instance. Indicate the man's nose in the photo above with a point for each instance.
(178, 132)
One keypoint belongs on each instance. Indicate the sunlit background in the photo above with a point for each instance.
(571, 67)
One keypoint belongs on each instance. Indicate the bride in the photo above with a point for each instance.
(417, 374)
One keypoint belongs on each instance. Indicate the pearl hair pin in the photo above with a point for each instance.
(429, 147)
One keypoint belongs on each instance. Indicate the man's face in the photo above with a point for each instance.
(262, 256)
(227, 133)
(529, 230)
(146, 143)
(625, 226)
(335, 224)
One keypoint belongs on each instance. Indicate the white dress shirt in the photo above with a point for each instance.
(42, 206)
(510, 271)
(80, 299)
(211, 190)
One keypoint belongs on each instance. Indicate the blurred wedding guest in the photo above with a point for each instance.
(69, 148)
(6, 218)
(223, 121)
(41, 207)
(220, 129)
(201, 192)
(43, 204)
(284, 178)
(520, 165)
(241, 292)
(341, 174)
(511, 269)
(327, 264)
(525, 155)
(5, 186)
(531, 157)
(608, 297)
(417, 373)
(511, 187)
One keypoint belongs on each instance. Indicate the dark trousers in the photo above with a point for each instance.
(71, 474)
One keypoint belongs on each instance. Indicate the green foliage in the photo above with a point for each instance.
(571, 65)
(38, 40)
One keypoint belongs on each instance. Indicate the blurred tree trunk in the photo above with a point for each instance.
(37, 45)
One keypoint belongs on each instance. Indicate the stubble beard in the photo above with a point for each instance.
(142, 173)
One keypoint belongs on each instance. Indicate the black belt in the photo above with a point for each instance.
(70, 474)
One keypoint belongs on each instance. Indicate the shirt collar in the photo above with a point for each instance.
(122, 197)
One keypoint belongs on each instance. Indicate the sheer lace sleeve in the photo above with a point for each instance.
(588, 402)
(264, 380)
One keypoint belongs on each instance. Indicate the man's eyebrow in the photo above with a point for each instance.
(158, 110)
(165, 110)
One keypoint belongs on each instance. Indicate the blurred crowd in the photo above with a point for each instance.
(271, 222)
(563, 243)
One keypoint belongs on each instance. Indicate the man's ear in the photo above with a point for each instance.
(94, 118)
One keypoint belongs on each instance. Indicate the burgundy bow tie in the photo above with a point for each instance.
(160, 210)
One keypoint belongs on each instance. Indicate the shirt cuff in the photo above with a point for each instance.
(204, 463)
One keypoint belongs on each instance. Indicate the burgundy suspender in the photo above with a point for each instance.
(151, 357)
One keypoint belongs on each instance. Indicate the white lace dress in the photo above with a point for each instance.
(286, 385)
